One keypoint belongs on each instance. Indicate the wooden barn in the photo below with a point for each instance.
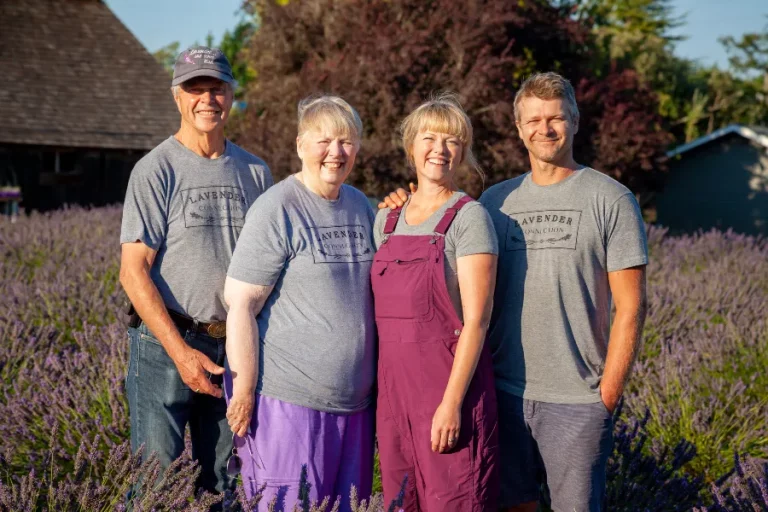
(718, 181)
(81, 100)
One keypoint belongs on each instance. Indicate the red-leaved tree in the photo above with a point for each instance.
(386, 57)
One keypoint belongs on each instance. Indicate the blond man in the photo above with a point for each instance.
(571, 243)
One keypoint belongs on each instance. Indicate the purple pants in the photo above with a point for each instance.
(337, 449)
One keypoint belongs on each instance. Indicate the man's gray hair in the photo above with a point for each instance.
(548, 86)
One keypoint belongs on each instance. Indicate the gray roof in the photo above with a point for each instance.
(73, 75)
(757, 134)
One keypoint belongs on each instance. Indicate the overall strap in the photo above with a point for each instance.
(391, 223)
(450, 214)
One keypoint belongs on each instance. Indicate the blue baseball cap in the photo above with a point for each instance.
(201, 61)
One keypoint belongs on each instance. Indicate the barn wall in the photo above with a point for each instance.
(86, 177)
(723, 184)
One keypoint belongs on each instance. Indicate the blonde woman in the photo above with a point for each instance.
(300, 330)
(433, 279)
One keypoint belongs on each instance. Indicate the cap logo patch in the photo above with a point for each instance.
(202, 61)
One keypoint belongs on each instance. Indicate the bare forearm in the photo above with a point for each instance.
(245, 302)
(149, 305)
(243, 349)
(622, 349)
(477, 276)
(468, 350)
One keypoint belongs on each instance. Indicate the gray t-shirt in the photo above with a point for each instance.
(551, 316)
(190, 209)
(317, 331)
(471, 232)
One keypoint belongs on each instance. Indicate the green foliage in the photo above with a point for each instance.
(377, 474)
(166, 56)
(694, 100)
(635, 31)
(233, 44)
(701, 370)
(750, 53)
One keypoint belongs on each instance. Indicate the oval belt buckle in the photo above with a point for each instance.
(217, 329)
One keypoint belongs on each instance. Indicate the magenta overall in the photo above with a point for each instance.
(418, 331)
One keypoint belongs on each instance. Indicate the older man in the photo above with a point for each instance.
(571, 243)
(184, 209)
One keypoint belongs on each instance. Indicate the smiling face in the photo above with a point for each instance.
(436, 155)
(547, 129)
(327, 155)
(204, 103)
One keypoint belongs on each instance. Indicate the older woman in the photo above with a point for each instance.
(300, 328)
(433, 278)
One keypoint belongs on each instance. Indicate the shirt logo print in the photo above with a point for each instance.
(222, 205)
(341, 244)
(543, 229)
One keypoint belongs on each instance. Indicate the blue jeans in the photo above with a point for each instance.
(161, 406)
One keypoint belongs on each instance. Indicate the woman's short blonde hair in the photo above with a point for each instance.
(442, 113)
(329, 112)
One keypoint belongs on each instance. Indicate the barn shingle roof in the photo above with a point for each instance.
(757, 134)
(73, 75)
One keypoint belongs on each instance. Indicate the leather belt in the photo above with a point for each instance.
(214, 329)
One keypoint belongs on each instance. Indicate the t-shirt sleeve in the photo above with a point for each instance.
(378, 226)
(145, 210)
(266, 177)
(262, 249)
(626, 243)
(474, 232)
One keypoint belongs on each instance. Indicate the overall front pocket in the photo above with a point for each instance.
(402, 288)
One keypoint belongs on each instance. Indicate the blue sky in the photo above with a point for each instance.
(159, 22)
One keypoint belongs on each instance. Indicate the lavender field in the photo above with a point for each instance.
(692, 433)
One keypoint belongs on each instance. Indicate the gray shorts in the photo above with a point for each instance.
(565, 446)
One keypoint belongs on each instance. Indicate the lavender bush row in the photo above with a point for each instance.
(121, 481)
(60, 269)
(102, 483)
(745, 490)
(701, 369)
(697, 398)
(637, 482)
(78, 387)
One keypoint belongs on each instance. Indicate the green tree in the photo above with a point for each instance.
(234, 44)
(166, 56)
(636, 33)
(639, 34)
(694, 100)
(750, 53)
(749, 58)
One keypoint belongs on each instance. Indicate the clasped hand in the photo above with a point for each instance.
(239, 413)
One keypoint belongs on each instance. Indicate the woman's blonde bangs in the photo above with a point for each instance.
(442, 114)
(331, 115)
(437, 118)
